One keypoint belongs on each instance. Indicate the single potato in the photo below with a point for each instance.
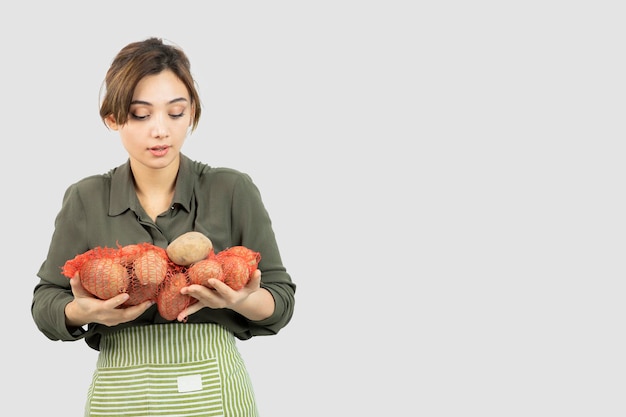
(188, 248)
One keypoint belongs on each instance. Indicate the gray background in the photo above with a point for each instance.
(445, 181)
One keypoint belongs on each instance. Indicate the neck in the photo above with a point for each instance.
(154, 181)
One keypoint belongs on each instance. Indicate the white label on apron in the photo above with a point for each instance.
(189, 383)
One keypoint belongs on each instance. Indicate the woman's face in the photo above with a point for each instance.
(158, 121)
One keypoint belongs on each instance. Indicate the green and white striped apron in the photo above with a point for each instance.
(174, 369)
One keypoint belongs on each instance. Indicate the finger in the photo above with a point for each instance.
(219, 286)
(118, 300)
(77, 287)
(255, 279)
(138, 310)
(195, 307)
(194, 290)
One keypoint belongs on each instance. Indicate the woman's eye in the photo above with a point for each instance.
(138, 117)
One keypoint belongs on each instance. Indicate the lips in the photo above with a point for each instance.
(159, 150)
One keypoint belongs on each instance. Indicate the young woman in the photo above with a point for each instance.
(146, 364)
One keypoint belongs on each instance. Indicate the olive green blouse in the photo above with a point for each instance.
(104, 211)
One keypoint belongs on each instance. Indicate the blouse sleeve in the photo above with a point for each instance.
(53, 292)
(252, 223)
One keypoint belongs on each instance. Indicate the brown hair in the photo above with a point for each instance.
(137, 60)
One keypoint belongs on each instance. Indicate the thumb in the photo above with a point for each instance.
(77, 287)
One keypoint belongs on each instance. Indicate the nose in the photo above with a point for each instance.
(159, 127)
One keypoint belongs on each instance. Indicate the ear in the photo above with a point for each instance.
(110, 122)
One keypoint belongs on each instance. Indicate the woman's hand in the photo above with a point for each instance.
(86, 308)
(252, 301)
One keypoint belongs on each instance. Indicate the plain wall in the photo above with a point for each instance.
(445, 181)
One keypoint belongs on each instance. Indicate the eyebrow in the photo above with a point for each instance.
(146, 103)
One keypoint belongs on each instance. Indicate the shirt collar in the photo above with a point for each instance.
(123, 196)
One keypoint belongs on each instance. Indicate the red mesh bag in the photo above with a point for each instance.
(148, 270)
(170, 302)
(145, 272)
(136, 269)
(104, 277)
(238, 264)
(202, 271)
